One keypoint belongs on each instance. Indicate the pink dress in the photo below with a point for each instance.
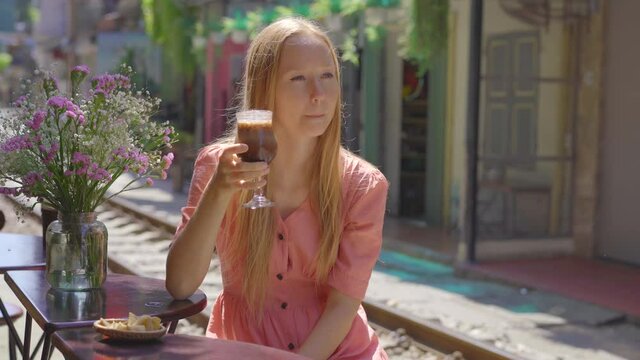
(293, 302)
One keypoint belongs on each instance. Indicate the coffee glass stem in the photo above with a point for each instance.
(259, 200)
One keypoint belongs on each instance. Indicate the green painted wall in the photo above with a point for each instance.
(370, 145)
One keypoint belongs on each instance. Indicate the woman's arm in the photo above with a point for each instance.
(190, 254)
(334, 324)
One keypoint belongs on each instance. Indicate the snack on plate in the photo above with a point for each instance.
(134, 323)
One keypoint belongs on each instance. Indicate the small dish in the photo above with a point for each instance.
(129, 335)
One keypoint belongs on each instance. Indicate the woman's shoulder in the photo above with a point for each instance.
(359, 173)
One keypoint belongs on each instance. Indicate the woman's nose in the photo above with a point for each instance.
(317, 90)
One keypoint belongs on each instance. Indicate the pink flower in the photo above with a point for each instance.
(107, 83)
(31, 178)
(38, 119)
(68, 172)
(122, 81)
(149, 182)
(141, 161)
(9, 191)
(58, 102)
(79, 157)
(81, 68)
(166, 161)
(98, 174)
(51, 153)
(16, 143)
(163, 175)
(20, 101)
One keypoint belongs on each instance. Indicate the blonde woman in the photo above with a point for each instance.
(294, 275)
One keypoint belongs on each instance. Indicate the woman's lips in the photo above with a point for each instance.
(315, 115)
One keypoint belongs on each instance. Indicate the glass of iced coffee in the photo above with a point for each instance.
(254, 129)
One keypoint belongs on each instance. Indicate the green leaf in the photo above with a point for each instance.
(254, 21)
(280, 12)
(372, 33)
(351, 7)
(320, 9)
(426, 33)
(349, 48)
(5, 61)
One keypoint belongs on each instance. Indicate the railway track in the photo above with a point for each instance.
(403, 335)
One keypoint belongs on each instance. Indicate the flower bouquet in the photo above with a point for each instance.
(66, 150)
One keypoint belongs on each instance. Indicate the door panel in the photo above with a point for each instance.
(619, 213)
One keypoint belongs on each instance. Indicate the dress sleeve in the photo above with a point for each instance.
(361, 239)
(203, 170)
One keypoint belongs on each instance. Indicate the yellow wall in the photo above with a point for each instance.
(456, 179)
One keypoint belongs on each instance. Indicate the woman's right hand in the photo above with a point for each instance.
(233, 174)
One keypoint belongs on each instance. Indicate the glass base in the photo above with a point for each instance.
(259, 202)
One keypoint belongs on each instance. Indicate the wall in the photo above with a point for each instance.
(392, 119)
(455, 154)
(617, 223)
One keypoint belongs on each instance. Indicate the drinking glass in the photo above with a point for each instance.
(254, 129)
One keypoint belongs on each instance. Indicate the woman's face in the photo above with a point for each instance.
(307, 88)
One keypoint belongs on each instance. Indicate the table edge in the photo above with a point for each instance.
(53, 326)
(24, 300)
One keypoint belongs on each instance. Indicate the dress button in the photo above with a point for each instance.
(283, 305)
(291, 346)
(280, 236)
(279, 276)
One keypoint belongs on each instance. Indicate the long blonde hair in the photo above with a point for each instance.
(254, 230)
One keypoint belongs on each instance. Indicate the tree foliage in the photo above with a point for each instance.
(426, 33)
(172, 26)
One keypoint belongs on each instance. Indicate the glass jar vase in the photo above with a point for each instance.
(76, 252)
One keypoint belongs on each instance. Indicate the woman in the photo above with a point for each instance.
(294, 275)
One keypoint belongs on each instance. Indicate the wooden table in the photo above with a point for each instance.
(81, 344)
(55, 309)
(19, 252)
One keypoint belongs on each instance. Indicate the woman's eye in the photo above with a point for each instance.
(327, 75)
(297, 78)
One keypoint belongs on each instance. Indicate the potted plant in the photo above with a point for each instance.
(66, 150)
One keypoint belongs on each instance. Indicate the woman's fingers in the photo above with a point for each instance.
(238, 174)
(231, 149)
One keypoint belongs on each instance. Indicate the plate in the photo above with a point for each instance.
(128, 335)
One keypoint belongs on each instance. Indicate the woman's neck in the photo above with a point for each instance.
(293, 164)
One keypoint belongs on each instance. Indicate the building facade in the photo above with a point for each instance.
(555, 133)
